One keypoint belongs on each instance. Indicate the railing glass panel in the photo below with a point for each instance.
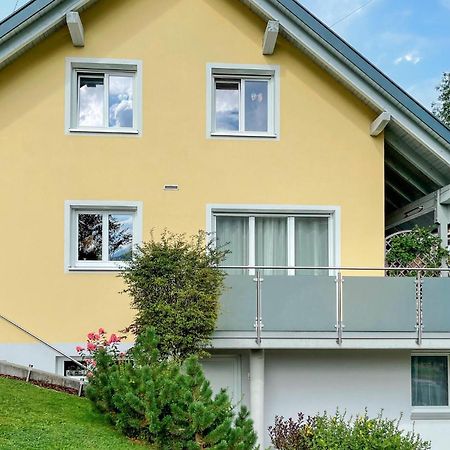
(377, 304)
(436, 304)
(298, 303)
(238, 304)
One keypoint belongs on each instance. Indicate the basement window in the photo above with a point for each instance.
(429, 380)
(243, 101)
(103, 96)
(101, 236)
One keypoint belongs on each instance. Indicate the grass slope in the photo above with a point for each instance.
(35, 418)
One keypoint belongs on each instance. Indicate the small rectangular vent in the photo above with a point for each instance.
(171, 187)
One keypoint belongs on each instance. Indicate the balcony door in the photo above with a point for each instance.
(268, 239)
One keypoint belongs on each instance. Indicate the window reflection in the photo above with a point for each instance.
(91, 97)
(120, 236)
(256, 106)
(89, 237)
(120, 98)
(227, 105)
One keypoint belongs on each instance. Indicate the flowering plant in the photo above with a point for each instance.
(100, 344)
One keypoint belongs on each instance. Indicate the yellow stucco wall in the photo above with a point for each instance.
(325, 155)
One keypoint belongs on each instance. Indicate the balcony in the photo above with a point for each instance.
(331, 307)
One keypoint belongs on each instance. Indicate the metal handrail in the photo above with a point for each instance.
(341, 268)
(11, 322)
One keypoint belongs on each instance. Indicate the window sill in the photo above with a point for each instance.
(101, 131)
(115, 268)
(431, 413)
(243, 135)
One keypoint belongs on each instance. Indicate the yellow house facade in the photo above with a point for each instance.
(169, 116)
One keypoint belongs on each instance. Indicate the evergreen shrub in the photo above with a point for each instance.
(175, 288)
(164, 401)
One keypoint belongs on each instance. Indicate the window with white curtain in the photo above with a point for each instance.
(275, 240)
(429, 380)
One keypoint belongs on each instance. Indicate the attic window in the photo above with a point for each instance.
(243, 101)
(103, 97)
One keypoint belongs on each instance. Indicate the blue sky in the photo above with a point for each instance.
(409, 40)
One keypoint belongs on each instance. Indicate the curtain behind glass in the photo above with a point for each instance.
(429, 376)
(232, 232)
(311, 244)
(271, 243)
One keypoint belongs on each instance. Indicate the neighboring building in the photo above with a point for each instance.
(170, 116)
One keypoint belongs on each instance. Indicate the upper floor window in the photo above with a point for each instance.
(103, 96)
(264, 237)
(101, 235)
(243, 101)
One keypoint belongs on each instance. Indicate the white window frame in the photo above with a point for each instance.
(430, 412)
(74, 207)
(243, 72)
(106, 67)
(288, 211)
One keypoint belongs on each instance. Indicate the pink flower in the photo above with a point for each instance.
(101, 330)
(79, 348)
(96, 337)
(91, 336)
(89, 374)
(114, 338)
(91, 347)
(93, 363)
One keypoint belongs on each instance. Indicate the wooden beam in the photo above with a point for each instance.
(413, 210)
(402, 173)
(270, 37)
(76, 29)
(417, 161)
(379, 124)
(399, 191)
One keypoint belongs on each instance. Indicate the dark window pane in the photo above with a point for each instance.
(91, 99)
(120, 236)
(227, 105)
(89, 237)
(429, 377)
(256, 106)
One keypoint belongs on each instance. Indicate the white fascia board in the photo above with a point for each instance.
(76, 29)
(39, 29)
(379, 124)
(270, 37)
(356, 80)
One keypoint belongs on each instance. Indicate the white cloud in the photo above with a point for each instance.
(410, 57)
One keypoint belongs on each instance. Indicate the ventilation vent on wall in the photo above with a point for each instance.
(171, 187)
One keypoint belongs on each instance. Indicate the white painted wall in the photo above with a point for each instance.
(317, 380)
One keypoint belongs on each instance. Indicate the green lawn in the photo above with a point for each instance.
(35, 418)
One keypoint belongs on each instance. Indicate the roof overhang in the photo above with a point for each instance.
(413, 130)
(32, 23)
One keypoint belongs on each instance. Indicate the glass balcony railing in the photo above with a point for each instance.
(346, 301)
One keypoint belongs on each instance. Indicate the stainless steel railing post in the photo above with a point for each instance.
(339, 307)
(258, 321)
(419, 307)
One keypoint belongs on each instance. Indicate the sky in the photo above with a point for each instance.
(409, 40)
